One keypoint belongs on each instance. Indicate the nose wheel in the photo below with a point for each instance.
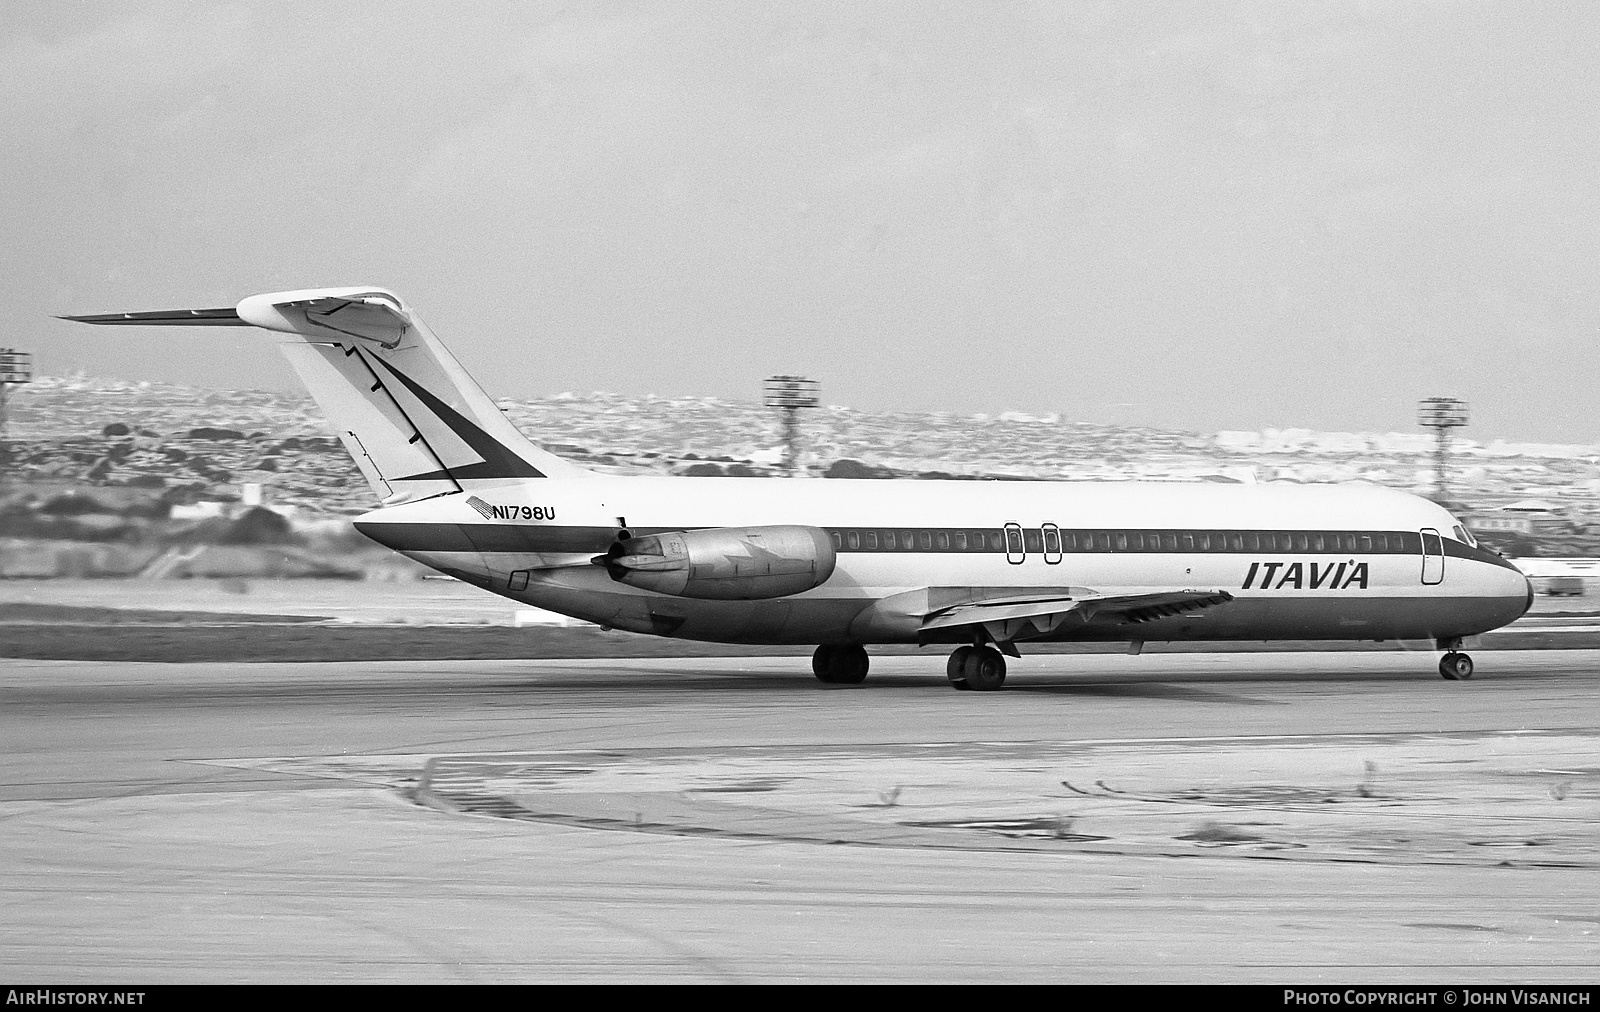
(840, 664)
(982, 669)
(1457, 667)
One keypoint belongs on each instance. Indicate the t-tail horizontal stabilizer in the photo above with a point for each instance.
(416, 423)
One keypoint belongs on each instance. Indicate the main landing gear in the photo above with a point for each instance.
(1455, 666)
(840, 664)
(980, 668)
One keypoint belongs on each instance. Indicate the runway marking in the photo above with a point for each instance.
(1408, 797)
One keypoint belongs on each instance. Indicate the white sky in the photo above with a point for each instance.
(1208, 216)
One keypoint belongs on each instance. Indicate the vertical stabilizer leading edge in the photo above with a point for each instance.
(414, 421)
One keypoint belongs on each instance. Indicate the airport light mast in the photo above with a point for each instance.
(1441, 414)
(16, 368)
(789, 394)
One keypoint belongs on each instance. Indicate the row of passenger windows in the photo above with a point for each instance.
(1051, 540)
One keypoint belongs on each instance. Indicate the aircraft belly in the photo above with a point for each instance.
(1306, 618)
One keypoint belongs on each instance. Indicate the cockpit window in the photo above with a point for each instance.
(1465, 536)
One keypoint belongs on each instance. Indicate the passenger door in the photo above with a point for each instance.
(1432, 556)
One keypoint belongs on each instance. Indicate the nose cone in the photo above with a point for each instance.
(1527, 605)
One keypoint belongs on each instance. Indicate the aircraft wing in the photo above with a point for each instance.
(1025, 618)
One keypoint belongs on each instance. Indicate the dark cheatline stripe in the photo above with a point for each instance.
(491, 537)
(1105, 541)
(498, 460)
(511, 537)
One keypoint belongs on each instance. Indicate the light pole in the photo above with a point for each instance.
(1441, 414)
(16, 368)
(789, 394)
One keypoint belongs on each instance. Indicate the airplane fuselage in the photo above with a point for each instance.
(1300, 561)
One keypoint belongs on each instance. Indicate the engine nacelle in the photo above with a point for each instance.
(725, 563)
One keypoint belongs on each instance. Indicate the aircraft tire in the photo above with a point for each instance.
(850, 664)
(955, 670)
(985, 669)
(840, 663)
(822, 663)
(1456, 667)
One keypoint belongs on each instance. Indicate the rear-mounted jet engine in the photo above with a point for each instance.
(726, 563)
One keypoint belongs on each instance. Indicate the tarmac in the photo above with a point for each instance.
(1305, 818)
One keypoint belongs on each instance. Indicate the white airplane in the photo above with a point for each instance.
(988, 566)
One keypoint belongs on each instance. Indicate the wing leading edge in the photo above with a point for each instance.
(228, 317)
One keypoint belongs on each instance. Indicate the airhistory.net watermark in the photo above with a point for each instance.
(50, 996)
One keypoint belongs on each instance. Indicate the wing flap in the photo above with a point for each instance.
(1008, 620)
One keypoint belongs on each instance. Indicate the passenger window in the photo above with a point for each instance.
(1052, 541)
(906, 541)
(853, 539)
(1236, 542)
(838, 542)
(1033, 540)
(872, 541)
(1186, 542)
(1363, 542)
(1013, 540)
(1252, 542)
(961, 541)
(1302, 542)
(889, 541)
(1120, 539)
(1316, 542)
(943, 540)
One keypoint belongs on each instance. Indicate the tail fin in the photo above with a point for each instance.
(415, 422)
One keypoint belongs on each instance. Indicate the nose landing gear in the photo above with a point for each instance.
(1457, 667)
(1454, 666)
(979, 668)
(840, 664)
